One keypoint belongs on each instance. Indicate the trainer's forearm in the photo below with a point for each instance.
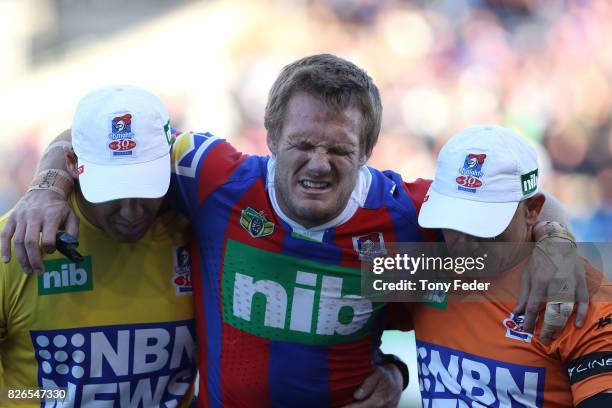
(51, 171)
(553, 211)
(54, 158)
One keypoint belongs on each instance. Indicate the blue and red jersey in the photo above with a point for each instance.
(280, 318)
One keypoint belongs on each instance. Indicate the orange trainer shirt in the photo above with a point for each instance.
(475, 354)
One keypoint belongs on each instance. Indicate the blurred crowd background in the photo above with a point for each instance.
(542, 67)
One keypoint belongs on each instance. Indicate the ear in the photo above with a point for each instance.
(533, 207)
(71, 163)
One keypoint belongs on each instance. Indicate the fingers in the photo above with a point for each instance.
(20, 251)
(32, 246)
(49, 230)
(5, 239)
(369, 385)
(555, 318)
(536, 295)
(582, 296)
(72, 225)
(524, 293)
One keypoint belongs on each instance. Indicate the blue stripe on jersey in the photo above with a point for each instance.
(308, 376)
(378, 326)
(198, 139)
(401, 209)
(211, 247)
(184, 193)
(325, 252)
(298, 382)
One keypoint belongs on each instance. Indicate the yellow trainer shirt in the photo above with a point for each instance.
(116, 330)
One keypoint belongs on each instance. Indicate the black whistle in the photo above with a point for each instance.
(67, 245)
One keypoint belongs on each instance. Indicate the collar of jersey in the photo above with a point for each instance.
(356, 200)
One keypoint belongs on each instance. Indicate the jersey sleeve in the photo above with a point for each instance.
(417, 191)
(587, 352)
(201, 162)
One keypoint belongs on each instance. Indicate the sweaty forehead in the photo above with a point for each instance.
(309, 118)
(328, 138)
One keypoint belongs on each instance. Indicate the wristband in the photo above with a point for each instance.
(395, 360)
(553, 229)
(53, 179)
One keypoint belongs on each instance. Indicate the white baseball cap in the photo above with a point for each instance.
(121, 136)
(482, 174)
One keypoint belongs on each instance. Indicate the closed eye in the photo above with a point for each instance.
(340, 151)
(304, 146)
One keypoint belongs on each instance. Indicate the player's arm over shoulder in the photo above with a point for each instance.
(587, 352)
(201, 162)
(193, 150)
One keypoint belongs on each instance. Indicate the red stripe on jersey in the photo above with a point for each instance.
(245, 357)
(363, 223)
(219, 164)
(244, 369)
(349, 364)
(196, 281)
(417, 191)
(256, 198)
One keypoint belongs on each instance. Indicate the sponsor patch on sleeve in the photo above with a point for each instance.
(589, 365)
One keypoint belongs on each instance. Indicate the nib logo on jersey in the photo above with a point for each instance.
(63, 276)
(451, 378)
(280, 297)
(150, 365)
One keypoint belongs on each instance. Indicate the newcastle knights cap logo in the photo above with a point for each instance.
(474, 162)
(122, 124)
(471, 172)
(255, 223)
(122, 138)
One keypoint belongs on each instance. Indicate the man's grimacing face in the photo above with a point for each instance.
(318, 156)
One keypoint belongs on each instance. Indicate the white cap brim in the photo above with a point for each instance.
(100, 183)
(477, 218)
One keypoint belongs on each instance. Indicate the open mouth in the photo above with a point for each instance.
(312, 185)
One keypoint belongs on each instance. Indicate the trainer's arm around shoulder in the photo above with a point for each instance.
(44, 209)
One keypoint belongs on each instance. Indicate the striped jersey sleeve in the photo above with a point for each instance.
(201, 162)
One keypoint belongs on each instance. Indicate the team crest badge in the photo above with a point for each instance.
(514, 326)
(122, 142)
(370, 246)
(256, 223)
(181, 279)
(122, 124)
(471, 172)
